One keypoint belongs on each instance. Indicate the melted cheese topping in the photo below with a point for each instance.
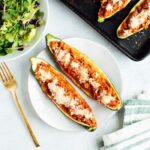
(74, 65)
(44, 75)
(126, 32)
(60, 55)
(83, 112)
(84, 76)
(135, 22)
(58, 93)
(64, 57)
(95, 84)
(109, 7)
(62, 99)
(67, 59)
(106, 99)
(120, 3)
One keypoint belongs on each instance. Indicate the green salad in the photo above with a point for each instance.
(19, 20)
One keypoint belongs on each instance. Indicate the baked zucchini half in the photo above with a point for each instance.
(62, 94)
(84, 73)
(138, 19)
(109, 8)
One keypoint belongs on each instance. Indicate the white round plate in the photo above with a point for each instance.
(39, 34)
(49, 113)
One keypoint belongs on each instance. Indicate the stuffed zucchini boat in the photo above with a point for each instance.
(62, 94)
(109, 8)
(84, 73)
(138, 19)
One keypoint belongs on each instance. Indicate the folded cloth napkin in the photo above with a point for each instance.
(135, 134)
(137, 109)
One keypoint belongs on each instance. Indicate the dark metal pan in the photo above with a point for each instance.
(136, 47)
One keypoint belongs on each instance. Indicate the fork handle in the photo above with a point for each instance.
(25, 119)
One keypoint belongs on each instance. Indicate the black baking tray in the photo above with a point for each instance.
(136, 47)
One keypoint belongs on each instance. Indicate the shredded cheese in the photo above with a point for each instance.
(60, 55)
(126, 32)
(120, 3)
(106, 99)
(64, 57)
(134, 22)
(67, 59)
(44, 75)
(63, 99)
(83, 112)
(74, 65)
(95, 84)
(84, 76)
(109, 7)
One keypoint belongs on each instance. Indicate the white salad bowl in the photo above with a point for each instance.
(44, 7)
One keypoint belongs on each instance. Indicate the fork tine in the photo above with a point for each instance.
(2, 77)
(3, 73)
(8, 71)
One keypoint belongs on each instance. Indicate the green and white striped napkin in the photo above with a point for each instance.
(135, 134)
(137, 109)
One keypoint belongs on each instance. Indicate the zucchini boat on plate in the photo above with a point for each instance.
(84, 73)
(109, 8)
(138, 19)
(62, 94)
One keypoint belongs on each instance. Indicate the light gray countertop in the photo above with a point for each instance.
(13, 134)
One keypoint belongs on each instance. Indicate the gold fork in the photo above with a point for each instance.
(11, 85)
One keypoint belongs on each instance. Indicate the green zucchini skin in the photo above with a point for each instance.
(100, 20)
(50, 38)
(89, 128)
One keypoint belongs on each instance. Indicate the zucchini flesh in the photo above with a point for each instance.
(62, 94)
(106, 93)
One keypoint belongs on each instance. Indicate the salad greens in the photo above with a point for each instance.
(19, 20)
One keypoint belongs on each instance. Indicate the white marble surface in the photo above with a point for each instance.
(13, 134)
